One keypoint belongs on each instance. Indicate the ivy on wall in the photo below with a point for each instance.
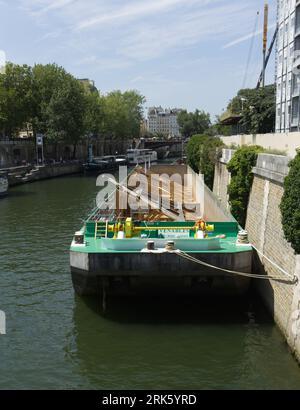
(290, 204)
(202, 155)
(239, 189)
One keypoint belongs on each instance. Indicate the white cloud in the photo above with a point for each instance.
(138, 79)
(128, 32)
(104, 63)
(56, 5)
(39, 7)
(149, 41)
(246, 37)
(129, 12)
(51, 35)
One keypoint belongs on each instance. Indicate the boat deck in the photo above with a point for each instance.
(227, 246)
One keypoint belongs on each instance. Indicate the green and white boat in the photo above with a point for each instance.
(127, 254)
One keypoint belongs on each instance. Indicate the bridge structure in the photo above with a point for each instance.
(165, 148)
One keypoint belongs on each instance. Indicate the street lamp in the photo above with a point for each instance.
(243, 99)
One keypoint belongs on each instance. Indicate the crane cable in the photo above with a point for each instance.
(293, 280)
(250, 51)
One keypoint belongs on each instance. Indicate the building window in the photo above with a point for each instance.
(295, 108)
(297, 27)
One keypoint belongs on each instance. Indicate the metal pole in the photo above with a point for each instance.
(265, 41)
(267, 57)
(43, 158)
(264, 70)
(37, 152)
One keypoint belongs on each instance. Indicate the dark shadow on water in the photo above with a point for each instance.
(264, 287)
(162, 309)
(19, 194)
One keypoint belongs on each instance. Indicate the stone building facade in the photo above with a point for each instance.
(164, 122)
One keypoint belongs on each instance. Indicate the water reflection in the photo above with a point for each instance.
(150, 343)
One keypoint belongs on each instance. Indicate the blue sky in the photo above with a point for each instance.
(183, 53)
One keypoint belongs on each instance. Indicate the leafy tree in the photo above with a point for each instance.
(193, 123)
(290, 204)
(116, 116)
(123, 114)
(16, 99)
(94, 114)
(59, 105)
(202, 155)
(239, 189)
(258, 109)
(217, 129)
(64, 109)
(47, 80)
(134, 103)
(66, 113)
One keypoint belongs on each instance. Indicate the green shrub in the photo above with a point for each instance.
(239, 189)
(202, 154)
(290, 204)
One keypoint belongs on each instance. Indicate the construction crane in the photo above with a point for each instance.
(265, 41)
(266, 55)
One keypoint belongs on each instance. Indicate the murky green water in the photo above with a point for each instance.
(56, 340)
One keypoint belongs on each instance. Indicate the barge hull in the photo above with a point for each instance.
(143, 272)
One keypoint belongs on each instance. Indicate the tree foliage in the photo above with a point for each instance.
(258, 109)
(16, 98)
(218, 129)
(123, 114)
(193, 123)
(47, 81)
(202, 154)
(61, 107)
(94, 114)
(239, 189)
(66, 113)
(290, 205)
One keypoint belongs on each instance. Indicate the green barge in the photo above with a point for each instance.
(155, 256)
(165, 250)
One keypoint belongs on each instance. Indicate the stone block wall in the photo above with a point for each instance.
(222, 178)
(286, 142)
(264, 225)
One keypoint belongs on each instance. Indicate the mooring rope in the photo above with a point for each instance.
(292, 280)
(274, 264)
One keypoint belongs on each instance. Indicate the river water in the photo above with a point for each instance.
(56, 340)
